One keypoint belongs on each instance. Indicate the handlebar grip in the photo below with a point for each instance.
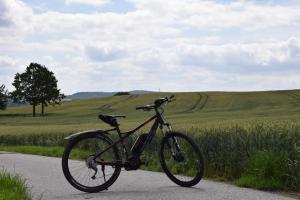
(140, 108)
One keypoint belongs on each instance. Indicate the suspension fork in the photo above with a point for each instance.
(169, 127)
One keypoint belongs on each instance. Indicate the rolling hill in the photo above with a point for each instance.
(191, 109)
(89, 95)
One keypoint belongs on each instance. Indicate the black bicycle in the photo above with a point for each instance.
(92, 161)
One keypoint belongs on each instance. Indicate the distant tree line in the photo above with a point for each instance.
(36, 86)
(122, 93)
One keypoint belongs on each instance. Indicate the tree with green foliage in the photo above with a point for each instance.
(3, 97)
(37, 85)
(49, 93)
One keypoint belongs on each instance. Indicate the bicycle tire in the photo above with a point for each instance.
(168, 170)
(66, 158)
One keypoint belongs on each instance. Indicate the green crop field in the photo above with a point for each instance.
(241, 134)
(203, 109)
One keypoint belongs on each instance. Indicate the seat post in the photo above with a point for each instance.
(122, 141)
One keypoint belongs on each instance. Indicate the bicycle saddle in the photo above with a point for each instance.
(111, 119)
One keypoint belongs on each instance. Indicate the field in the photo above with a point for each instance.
(238, 132)
(191, 110)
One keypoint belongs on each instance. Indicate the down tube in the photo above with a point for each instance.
(151, 134)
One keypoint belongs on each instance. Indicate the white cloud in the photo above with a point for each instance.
(87, 2)
(15, 16)
(9, 66)
(190, 45)
(246, 15)
(246, 57)
(6, 61)
(104, 54)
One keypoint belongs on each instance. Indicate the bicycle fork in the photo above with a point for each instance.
(169, 129)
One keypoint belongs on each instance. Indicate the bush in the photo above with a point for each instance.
(122, 93)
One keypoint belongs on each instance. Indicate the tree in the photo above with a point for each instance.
(37, 85)
(3, 97)
(49, 93)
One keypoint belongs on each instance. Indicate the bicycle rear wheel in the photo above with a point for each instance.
(83, 170)
(181, 159)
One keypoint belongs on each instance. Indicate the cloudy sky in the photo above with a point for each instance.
(176, 45)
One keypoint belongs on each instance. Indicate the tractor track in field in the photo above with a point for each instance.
(205, 101)
(202, 97)
(106, 108)
(132, 96)
(293, 95)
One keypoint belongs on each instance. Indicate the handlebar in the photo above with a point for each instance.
(157, 103)
(146, 107)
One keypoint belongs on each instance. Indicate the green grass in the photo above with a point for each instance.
(36, 150)
(56, 151)
(12, 187)
(270, 170)
(230, 128)
(259, 183)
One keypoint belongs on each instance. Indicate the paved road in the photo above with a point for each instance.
(44, 176)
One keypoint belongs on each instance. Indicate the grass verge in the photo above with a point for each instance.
(36, 150)
(12, 187)
(263, 156)
(269, 170)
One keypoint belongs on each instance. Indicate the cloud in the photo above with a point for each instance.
(247, 15)
(87, 2)
(15, 23)
(104, 54)
(293, 45)
(188, 45)
(6, 61)
(9, 66)
(4, 18)
(245, 58)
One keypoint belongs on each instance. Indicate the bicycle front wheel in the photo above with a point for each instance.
(181, 159)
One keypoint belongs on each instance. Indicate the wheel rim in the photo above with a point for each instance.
(182, 160)
(80, 163)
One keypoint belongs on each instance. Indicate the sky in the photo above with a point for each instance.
(170, 45)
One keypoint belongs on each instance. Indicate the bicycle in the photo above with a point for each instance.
(92, 161)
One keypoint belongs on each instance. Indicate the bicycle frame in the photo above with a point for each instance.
(159, 120)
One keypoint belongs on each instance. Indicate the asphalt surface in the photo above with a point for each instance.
(45, 178)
